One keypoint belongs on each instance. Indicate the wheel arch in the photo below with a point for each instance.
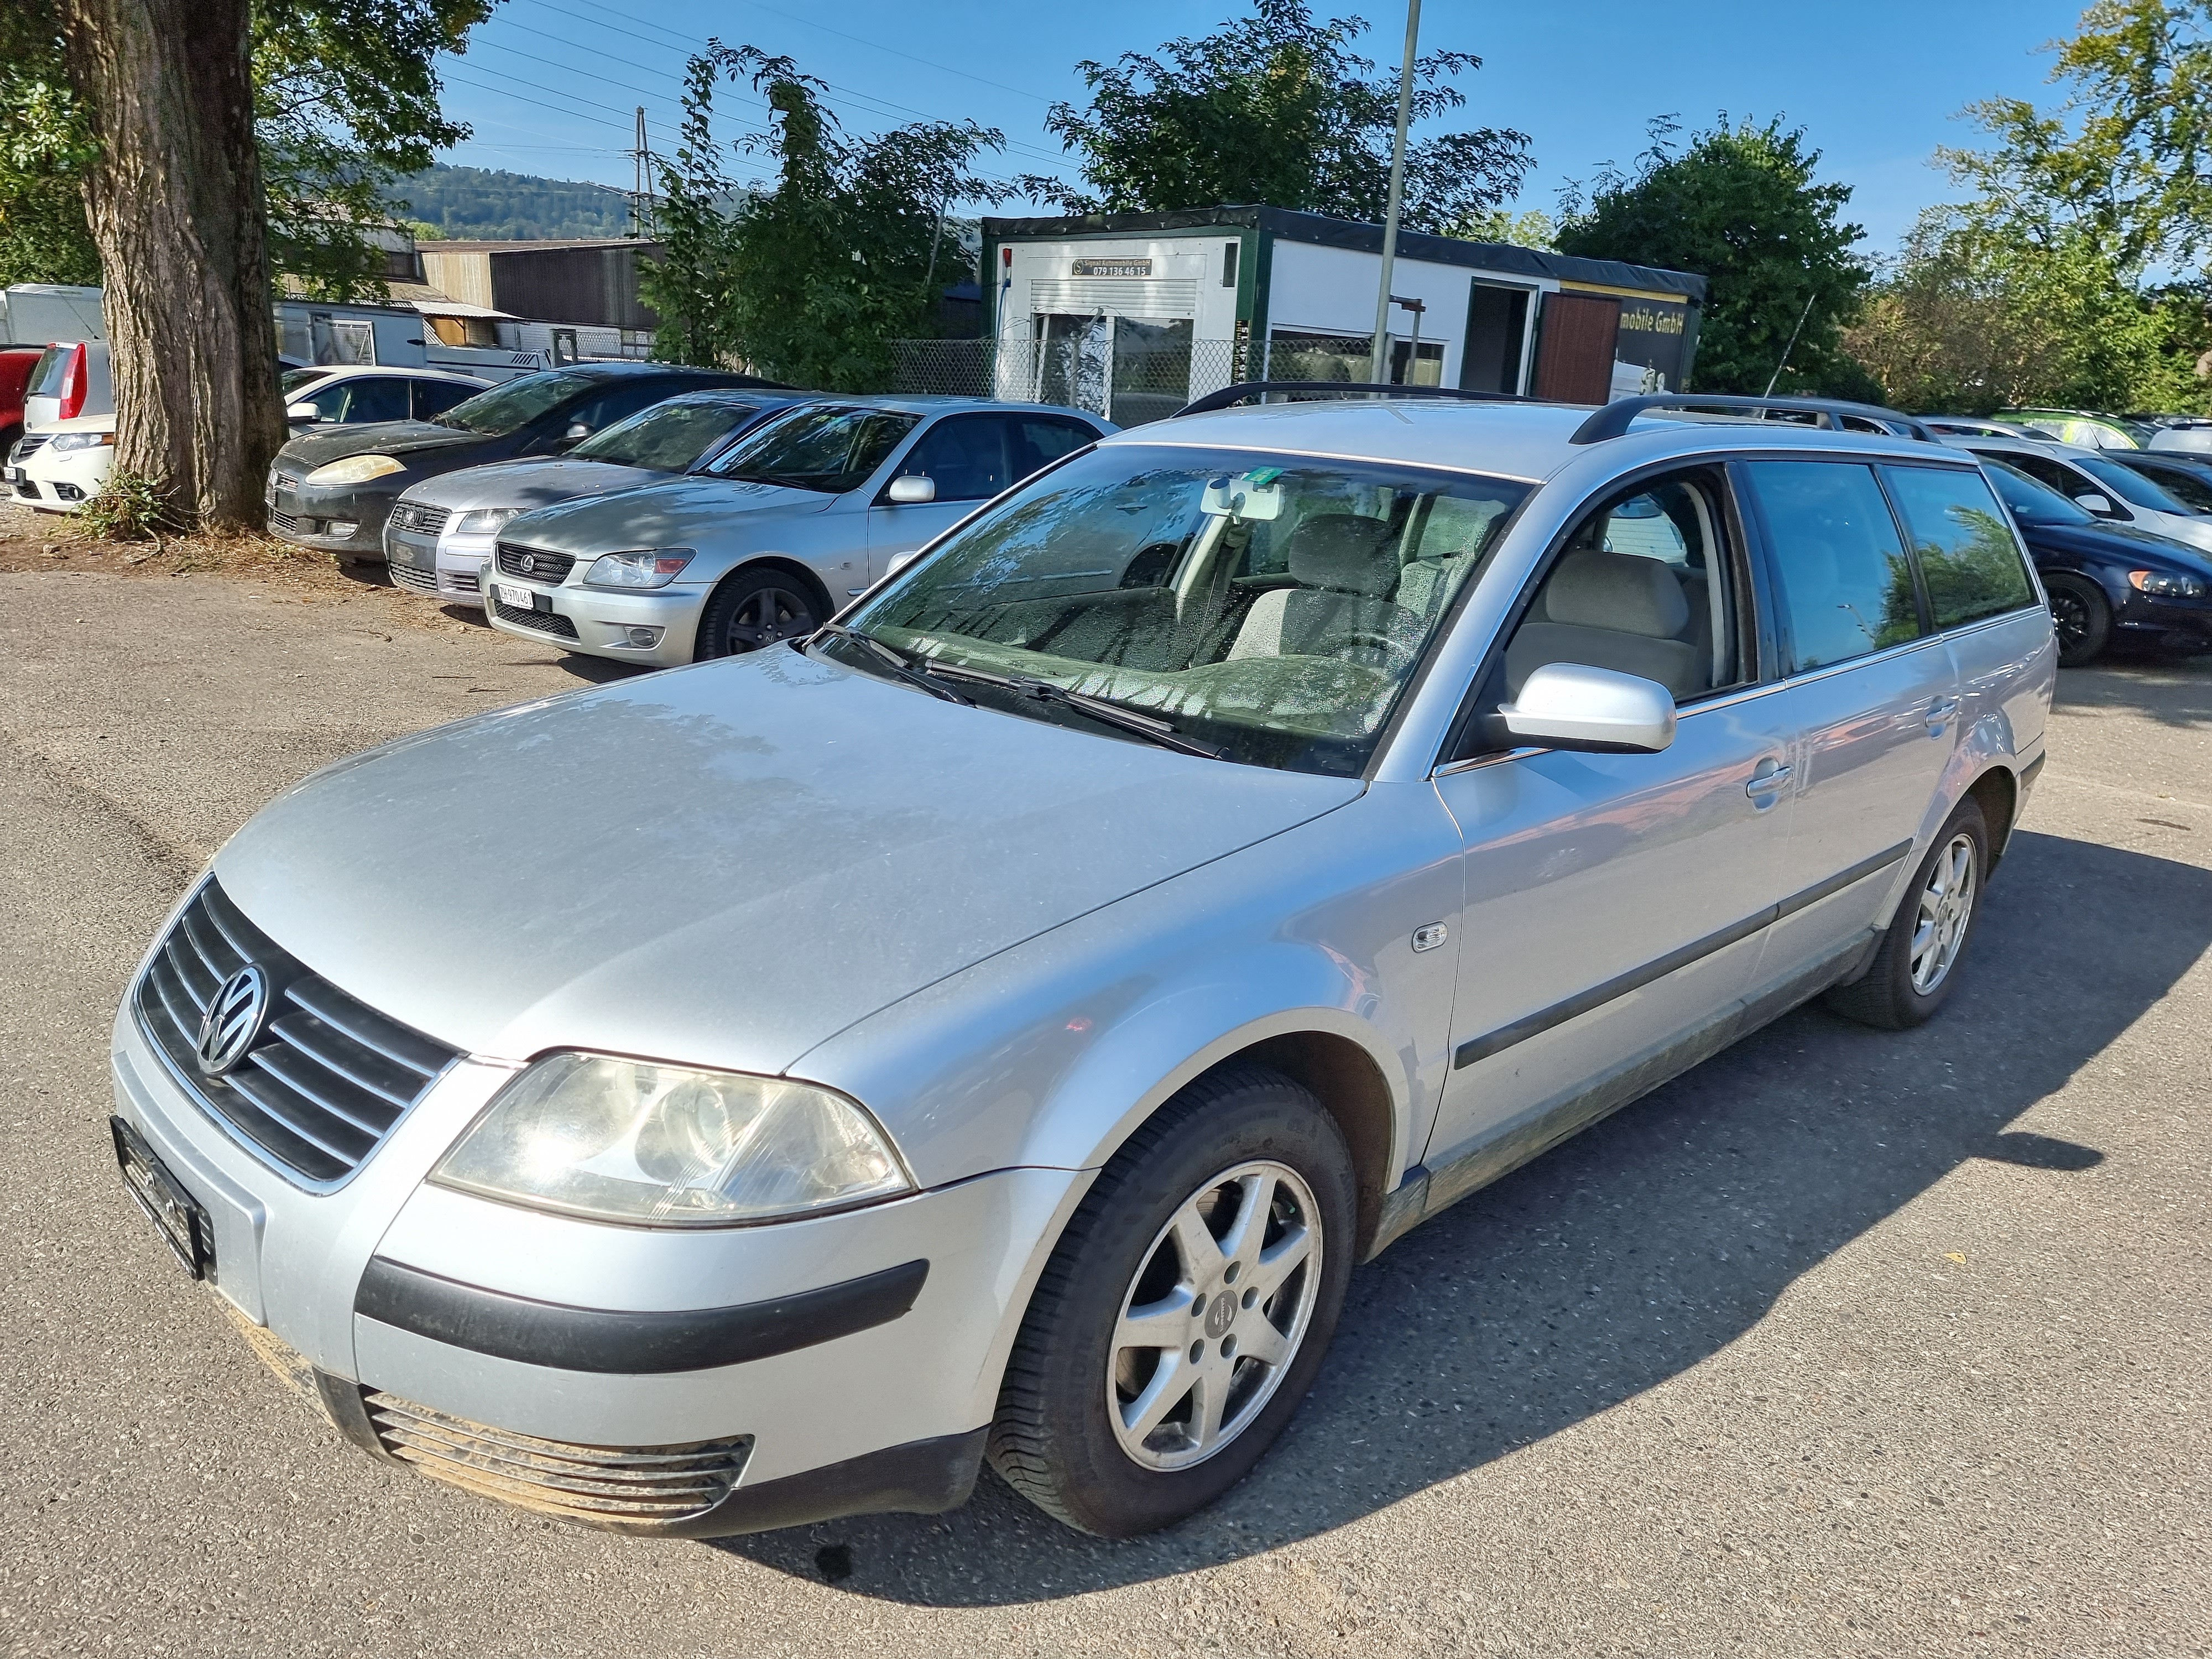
(787, 566)
(1996, 791)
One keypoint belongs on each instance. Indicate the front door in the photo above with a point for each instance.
(1873, 694)
(966, 457)
(1615, 904)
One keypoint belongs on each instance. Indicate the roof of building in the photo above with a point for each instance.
(1322, 231)
(537, 245)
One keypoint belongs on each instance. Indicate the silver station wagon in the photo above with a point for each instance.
(996, 1025)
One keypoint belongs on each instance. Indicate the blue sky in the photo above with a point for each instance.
(550, 85)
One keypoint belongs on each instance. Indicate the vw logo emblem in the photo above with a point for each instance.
(527, 562)
(232, 1020)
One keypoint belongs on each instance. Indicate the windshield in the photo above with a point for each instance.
(1274, 612)
(667, 437)
(2192, 486)
(2033, 501)
(292, 379)
(508, 408)
(832, 449)
(2129, 485)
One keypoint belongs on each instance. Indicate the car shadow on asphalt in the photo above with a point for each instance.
(2169, 688)
(1628, 1254)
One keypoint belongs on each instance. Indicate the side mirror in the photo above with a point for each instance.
(577, 432)
(302, 412)
(2099, 505)
(902, 560)
(1565, 705)
(912, 490)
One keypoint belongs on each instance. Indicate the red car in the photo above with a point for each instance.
(16, 363)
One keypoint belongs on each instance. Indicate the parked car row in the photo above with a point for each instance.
(996, 1024)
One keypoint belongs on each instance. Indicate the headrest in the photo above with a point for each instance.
(1623, 592)
(1343, 552)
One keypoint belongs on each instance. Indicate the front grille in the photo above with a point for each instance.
(414, 515)
(545, 622)
(31, 444)
(414, 581)
(535, 562)
(283, 524)
(287, 481)
(328, 1077)
(604, 1484)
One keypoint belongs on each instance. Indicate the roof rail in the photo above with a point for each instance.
(1613, 420)
(1231, 395)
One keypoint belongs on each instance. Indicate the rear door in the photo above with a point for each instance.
(1874, 697)
(1614, 903)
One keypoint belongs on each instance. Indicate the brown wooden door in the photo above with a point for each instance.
(1574, 347)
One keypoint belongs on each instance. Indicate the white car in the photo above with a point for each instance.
(2108, 489)
(56, 467)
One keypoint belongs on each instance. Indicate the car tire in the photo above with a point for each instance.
(755, 605)
(1912, 973)
(2081, 616)
(1246, 1146)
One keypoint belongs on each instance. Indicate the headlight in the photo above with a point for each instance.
(66, 441)
(2161, 584)
(664, 1145)
(653, 569)
(483, 520)
(355, 468)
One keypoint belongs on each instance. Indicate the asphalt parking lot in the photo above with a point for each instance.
(1846, 1343)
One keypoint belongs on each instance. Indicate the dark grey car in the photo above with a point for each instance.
(332, 490)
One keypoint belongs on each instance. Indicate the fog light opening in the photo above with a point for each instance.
(643, 639)
(342, 528)
(69, 492)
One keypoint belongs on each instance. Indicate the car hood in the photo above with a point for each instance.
(675, 512)
(319, 449)
(530, 483)
(2117, 541)
(722, 865)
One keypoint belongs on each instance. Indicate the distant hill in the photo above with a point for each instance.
(480, 205)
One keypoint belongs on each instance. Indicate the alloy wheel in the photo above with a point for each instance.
(766, 615)
(1946, 905)
(2070, 618)
(1214, 1316)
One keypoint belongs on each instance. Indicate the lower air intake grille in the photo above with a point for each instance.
(285, 523)
(414, 581)
(609, 1484)
(461, 581)
(545, 622)
(325, 1077)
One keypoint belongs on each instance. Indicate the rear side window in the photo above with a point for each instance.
(1845, 586)
(1968, 557)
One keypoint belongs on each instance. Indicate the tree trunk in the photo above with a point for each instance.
(175, 202)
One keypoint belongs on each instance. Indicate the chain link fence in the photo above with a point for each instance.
(1129, 372)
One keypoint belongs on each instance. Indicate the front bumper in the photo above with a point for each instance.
(750, 1346)
(61, 483)
(2186, 620)
(303, 513)
(597, 622)
(445, 565)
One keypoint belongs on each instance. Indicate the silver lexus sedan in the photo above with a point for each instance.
(442, 530)
(998, 1025)
(774, 535)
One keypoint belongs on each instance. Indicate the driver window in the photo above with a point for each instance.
(1644, 586)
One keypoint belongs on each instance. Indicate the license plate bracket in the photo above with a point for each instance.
(176, 1216)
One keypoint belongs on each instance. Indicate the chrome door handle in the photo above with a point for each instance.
(1766, 783)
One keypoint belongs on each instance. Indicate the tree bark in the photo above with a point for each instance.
(175, 204)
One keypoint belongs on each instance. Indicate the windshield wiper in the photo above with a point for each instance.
(897, 662)
(1098, 708)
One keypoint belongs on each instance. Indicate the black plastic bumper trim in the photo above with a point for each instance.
(1636, 979)
(922, 1477)
(629, 1344)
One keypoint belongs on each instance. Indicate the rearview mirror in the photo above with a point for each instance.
(1567, 705)
(2100, 505)
(912, 490)
(303, 412)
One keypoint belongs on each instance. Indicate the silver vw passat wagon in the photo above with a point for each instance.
(997, 1025)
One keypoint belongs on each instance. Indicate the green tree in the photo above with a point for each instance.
(808, 276)
(1972, 317)
(341, 110)
(1278, 109)
(1739, 206)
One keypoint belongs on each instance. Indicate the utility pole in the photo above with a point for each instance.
(1377, 359)
(640, 199)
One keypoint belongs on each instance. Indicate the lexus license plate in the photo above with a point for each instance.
(176, 1213)
(521, 598)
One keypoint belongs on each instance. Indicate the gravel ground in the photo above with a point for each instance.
(1846, 1343)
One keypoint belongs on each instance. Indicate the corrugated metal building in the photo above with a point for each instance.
(556, 282)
